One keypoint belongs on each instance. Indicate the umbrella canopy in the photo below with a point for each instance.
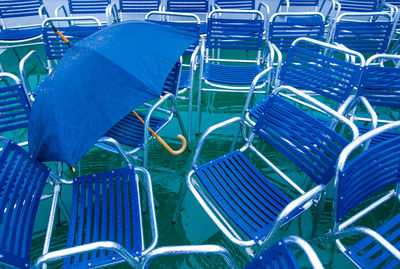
(98, 81)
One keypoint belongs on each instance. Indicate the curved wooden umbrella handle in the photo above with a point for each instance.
(162, 142)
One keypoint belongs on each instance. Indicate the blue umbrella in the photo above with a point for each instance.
(98, 81)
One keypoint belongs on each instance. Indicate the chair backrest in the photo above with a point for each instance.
(380, 82)
(367, 173)
(302, 137)
(303, 3)
(185, 21)
(171, 84)
(358, 5)
(22, 180)
(18, 8)
(88, 7)
(55, 46)
(236, 4)
(191, 6)
(133, 6)
(322, 69)
(224, 31)
(284, 28)
(363, 35)
(14, 105)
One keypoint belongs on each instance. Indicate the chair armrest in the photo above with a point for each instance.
(263, 5)
(112, 14)
(188, 250)
(61, 8)
(289, 208)
(24, 78)
(43, 12)
(210, 130)
(107, 245)
(117, 146)
(308, 250)
(368, 232)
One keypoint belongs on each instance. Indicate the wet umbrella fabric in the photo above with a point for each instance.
(98, 81)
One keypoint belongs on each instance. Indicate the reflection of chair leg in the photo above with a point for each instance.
(198, 110)
(181, 125)
(182, 193)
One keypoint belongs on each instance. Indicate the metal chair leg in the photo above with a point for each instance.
(182, 193)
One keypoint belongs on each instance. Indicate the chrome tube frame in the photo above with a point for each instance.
(189, 250)
(22, 63)
(308, 250)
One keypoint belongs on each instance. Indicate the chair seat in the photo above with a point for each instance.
(277, 256)
(184, 79)
(130, 131)
(20, 34)
(243, 193)
(232, 74)
(368, 254)
(105, 207)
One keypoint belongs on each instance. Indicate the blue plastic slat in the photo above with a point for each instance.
(138, 5)
(243, 193)
(368, 254)
(301, 137)
(190, 6)
(88, 6)
(382, 137)
(130, 131)
(241, 34)
(19, 8)
(116, 208)
(327, 76)
(282, 34)
(381, 86)
(232, 74)
(22, 180)
(236, 4)
(278, 256)
(365, 37)
(55, 47)
(13, 34)
(358, 5)
(367, 173)
(15, 108)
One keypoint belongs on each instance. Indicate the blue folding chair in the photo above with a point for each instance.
(379, 93)
(15, 109)
(92, 7)
(21, 35)
(105, 226)
(359, 5)
(280, 255)
(318, 68)
(364, 182)
(367, 32)
(134, 134)
(249, 207)
(232, 32)
(191, 23)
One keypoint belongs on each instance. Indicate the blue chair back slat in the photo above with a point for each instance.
(22, 180)
(98, 201)
(55, 47)
(327, 76)
(381, 86)
(19, 8)
(365, 37)
(236, 4)
(88, 6)
(131, 6)
(282, 34)
(305, 140)
(276, 257)
(14, 108)
(367, 173)
(193, 6)
(172, 81)
(358, 5)
(302, 3)
(240, 34)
